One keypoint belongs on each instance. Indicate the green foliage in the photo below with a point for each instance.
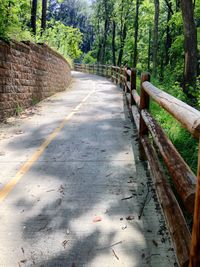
(15, 24)
(14, 19)
(34, 101)
(66, 40)
(89, 58)
(18, 110)
(181, 138)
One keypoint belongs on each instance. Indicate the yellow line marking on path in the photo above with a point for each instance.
(29, 163)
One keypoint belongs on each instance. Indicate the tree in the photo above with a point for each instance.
(75, 13)
(105, 32)
(155, 37)
(123, 29)
(33, 16)
(136, 33)
(113, 42)
(190, 44)
(44, 15)
(168, 36)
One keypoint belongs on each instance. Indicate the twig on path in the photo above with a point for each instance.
(115, 254)
(146, 201)
(126, 198)
(50, 190)
(115, 244)
(43, 227)
(22, 250)
(109, 174)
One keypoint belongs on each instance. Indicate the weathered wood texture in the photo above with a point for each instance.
(183, 178)
(185, 114)
(136, 98)
(144, 103)
(195, 246)
(176, 221)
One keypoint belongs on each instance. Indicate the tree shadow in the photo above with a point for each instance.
(90, 172)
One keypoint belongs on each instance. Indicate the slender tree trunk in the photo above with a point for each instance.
(149, 51)
(168, 36)
(104, 41)
(44, 16)
(135, 54)
(105, 34)
(99, 41)
(162, 65)
(121, 50)
(113, 43)
(155, 37)
(33, 16)
(190, 44)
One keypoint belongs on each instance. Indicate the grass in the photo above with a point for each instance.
(18, 110)
(186, 145)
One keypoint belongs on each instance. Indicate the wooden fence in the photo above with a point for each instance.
(153, 143)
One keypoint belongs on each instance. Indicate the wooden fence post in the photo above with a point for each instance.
(120, 77)
(195, 245)
(112, 73)
(125, 80)
(144, 104)
(133, 84)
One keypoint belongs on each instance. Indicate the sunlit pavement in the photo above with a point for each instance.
(85, 199)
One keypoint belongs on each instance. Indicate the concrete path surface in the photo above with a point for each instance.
(73, 191)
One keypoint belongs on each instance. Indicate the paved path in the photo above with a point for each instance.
(77, 197)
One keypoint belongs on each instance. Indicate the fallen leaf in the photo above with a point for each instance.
(130, 218)
(64, 243)
(23, 261)
(97, 219)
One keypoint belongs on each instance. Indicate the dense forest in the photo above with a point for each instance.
(161, 36)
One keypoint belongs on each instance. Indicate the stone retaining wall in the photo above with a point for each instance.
(29, 73)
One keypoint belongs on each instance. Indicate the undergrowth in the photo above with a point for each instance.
(184, 142)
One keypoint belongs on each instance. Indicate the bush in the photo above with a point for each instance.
(88, 58)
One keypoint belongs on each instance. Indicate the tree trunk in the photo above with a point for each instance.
(113, 43)
(149, 51)
(155, 37)
(104, 41)
(121, 50)
(44, 15)
(168, 36)
(190, 45)
(105, 34)
(136, 34)
(33, 16)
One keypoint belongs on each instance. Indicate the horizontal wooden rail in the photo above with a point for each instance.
(183, 178)
(186, 183)
(185, 114)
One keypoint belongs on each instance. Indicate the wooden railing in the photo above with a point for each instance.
(187, 184)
